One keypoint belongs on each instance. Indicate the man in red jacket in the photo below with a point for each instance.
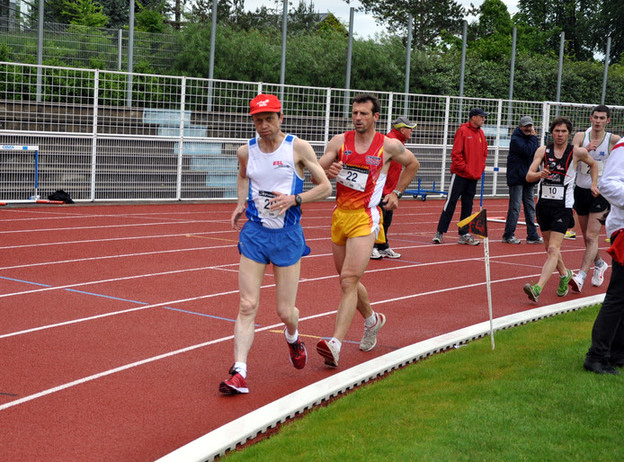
(467, 165)
(402, 131)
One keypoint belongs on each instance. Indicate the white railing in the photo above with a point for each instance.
(106, 135)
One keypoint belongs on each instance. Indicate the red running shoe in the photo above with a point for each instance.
(234, 385)
(298, 354)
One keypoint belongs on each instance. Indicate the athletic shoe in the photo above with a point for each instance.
(389, 253)
(375, 255)
(599, 272)
(511, 240)
(576, 283)
(369, 339)
(298, 354)
(234, 385)
(437, 239)
(533, 291)
(468, 240)
(537, 240)
(562, 290)
(570, 235)
(328, 351)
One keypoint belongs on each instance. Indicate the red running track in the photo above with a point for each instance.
(117, 320)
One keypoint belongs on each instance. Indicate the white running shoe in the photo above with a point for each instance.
(576, 283)
(328, 351)
(389, 253)
(599, 272)
(375, 254)
(369, 339)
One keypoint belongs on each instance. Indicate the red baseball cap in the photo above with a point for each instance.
(265, 103)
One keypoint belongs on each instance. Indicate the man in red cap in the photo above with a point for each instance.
(402, 131)
(270, 193)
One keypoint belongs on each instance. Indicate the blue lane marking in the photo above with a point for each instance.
(110, 297)
(25, 282)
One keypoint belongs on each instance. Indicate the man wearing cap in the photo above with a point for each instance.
(359, 160)
(522, 148)
(402, 131)
(591, 209)
(468, 157)
(270, 193)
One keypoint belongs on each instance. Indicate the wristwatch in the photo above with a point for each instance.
(298, 199)
(398, 193)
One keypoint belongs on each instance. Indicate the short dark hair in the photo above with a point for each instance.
(558, 121)
(365, 97)
(602, 108)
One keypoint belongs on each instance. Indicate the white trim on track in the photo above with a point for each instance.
(239, 431)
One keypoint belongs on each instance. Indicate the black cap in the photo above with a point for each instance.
(478, 112)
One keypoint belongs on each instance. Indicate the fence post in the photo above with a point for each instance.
(94, 131)
(181, 139)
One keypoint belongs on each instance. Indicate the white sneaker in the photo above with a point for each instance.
(389, 253)
(369, 339)
(598, 277)
(576, 283)
(437, 239)
(328, 351)
(376, 255)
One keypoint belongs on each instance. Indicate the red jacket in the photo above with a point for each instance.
(394, 171)
(470, 150)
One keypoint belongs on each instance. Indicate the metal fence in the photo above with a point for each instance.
(106, 135)
(91, 47)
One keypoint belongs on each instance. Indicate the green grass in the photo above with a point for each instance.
(527, 400)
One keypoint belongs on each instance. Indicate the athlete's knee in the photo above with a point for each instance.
(248, 306)
(553, 251)
(349, 282)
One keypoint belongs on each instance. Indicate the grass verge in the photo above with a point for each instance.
(529, 399)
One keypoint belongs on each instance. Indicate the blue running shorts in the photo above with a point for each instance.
(281, 246)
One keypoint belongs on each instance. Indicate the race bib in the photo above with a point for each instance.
(585, 167)
(353, 177)
(552, 192)
(262, 204)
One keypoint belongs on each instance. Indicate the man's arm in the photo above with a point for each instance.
(242, 186)
(525, 146)
(329, 160)
(578, 139)
(533, 174)
(581, 155)
(304, 155)
(457, 153)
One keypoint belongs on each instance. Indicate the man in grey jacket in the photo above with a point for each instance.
(522, 147)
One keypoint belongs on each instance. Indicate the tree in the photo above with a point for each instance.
(576, 18)
(611, 23)
(431, 18)
(84, 13)
(490, 36)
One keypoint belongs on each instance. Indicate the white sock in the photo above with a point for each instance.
(371, 320)
(337, 343)
(598, 262)
(582, 274)
(241, 368)
(291, 338)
